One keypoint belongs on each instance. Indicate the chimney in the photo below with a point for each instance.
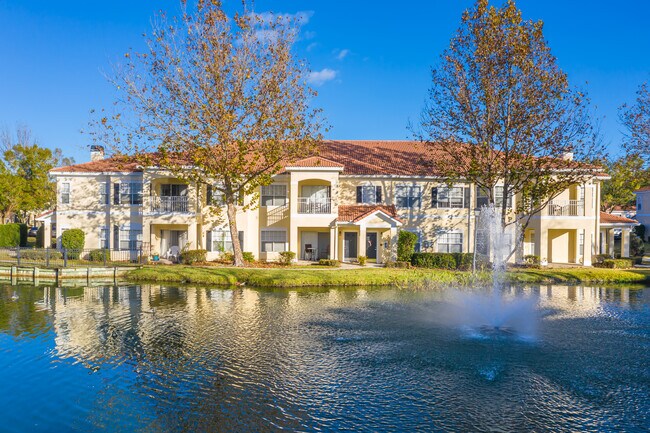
(96, 153)
(567, 156)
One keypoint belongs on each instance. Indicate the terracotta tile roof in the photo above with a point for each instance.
(643, 189)
(102, 166)
(608, 218)
(44, 214)
(354, 213)
(315, 161)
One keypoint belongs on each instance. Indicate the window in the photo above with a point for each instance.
(369, 194)
(408, 196)
(127, 193)
(482, 198)
(273, 195)
(104, 193)
(581, 243)
(216, 197)
(498, 197)
(221, 241)
(450, 243)
(274, 241)
(130, 239)
(173, 190)
(103, 237)
(454, 198)
(65, 193)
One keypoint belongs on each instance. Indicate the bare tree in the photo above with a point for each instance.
(216, 101)
(636, 119)
(501, 111)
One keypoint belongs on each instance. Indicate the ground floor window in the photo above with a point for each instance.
(450, 243)
(274, 241)
(581, 243)
(103, 238)
(221, 241)
(130, 239)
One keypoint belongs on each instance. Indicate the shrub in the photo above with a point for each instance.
(330, 262)
(398, 264)
(73, 239)
(434, 260)
(406, 245)
(464, 261)
(615, 264)
(23, 234)
(99, 255)
(10, 235)
(190, 257)
(227, 257)
(40, 255)
(248, 257)
(40, 237)
(640, 231)
(637, 248)
(599, 258)
(362, 260)
(286, 257)
(531, 261)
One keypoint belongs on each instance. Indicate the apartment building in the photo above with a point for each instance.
(350, 201)
(643, 209)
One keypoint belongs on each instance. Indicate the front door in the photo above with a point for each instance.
(371, 245)
(349, 245)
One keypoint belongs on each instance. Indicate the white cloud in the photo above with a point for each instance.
(318, 78)
(342, 54)
(312, 46)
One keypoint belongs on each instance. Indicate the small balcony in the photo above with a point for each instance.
(566, 208)
(311, 205)
(170, 204)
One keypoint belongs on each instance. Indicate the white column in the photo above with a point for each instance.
(333, 243)
(362, 240)
(625, 243)
(393, 243)
(610, 242)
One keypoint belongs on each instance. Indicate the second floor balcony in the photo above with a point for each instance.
(562, 208)
(314, 205)
(170, 204)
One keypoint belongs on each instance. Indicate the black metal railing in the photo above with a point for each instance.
(170, 204)
(63, 258)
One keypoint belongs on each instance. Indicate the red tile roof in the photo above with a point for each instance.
(354, 213)
(102, 166)
(608, 218)
(643, 189)
(315, 161)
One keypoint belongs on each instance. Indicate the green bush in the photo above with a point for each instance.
(10, 235)
(190, 257)
(406, 245)
(40, 237)
(362, 260)
(531, 261)
(286, 257)
(599, 258)
(40, 255)
(637, 247)
(398, 264)
(226, 257)
(330, 262)
(23, 234)
(451, 261)
(73, 240)
(615, 264)
(640, 231)
(248, 257)
(99, 255)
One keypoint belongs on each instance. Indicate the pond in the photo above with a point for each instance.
(156, 358)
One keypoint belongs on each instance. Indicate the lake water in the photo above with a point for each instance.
(152, 358)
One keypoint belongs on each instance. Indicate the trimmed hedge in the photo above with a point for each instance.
(10, 235)
(406, 245)
(398, 264)
(451, 261)
(40, 255)
(40, 237)
(193, 256)
(615, 264)
(329, 262)
(99, 255)
(286, 257)
(73, 239)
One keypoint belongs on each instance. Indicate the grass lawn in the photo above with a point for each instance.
(297, 277)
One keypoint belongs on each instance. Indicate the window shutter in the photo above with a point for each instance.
(359, 195)
(116, 237)
(378, 197)
(467, 198)
(434, 197)
(208, 240)
(240, 236)
(116, 193)
(208, 195)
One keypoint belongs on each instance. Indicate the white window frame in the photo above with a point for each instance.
(445, 195)
(444, 239)
(104, 237)
(410, 196)
(104, 193)
(369, 194)
(275, 194)
(127, 190)
(277, 245)
(65, 192)
(221, 241)
(131, 236)
(498, 197)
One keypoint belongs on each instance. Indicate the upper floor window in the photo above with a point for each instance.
(482, 198)
(450, 243)
(498, 197)
(454, 198)
(65, 193)
(273, 195)
(104, 193)
(127, 193)
(216, 197)
(369, 194)
(408, 196)
(173, 190)
(274, 241)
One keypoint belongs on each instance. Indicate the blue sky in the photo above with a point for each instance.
(373, 57)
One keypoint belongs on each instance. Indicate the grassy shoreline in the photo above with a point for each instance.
(278, 277)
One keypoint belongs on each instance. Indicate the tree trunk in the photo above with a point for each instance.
(234, 234)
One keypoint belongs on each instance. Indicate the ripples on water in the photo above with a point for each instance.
(157, 358)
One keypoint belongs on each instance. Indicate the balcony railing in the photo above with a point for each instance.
(170, 204)
(311, 205)
(566, 208)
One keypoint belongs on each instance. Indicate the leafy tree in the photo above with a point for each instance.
(500, 105)
(627, 175)
(636, 119)
(224, 96)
